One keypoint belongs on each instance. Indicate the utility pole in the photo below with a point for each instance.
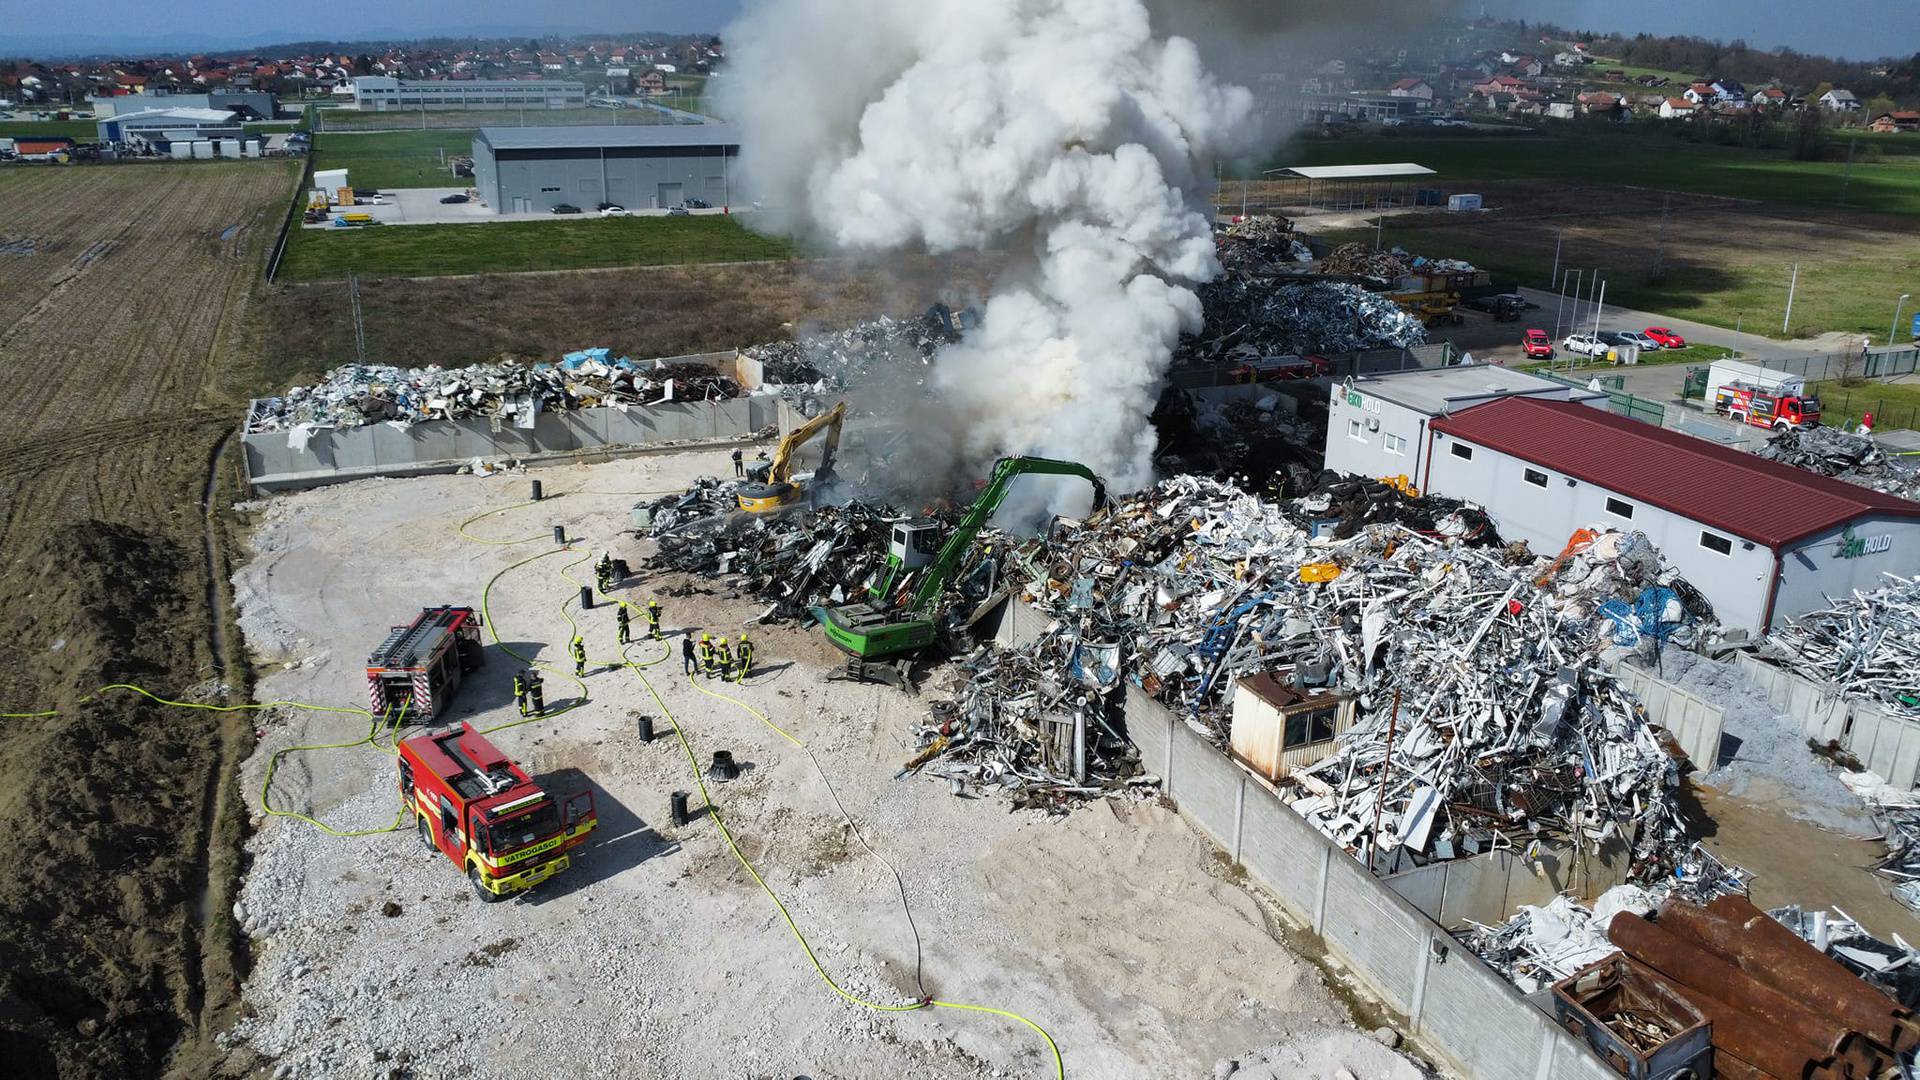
(1556, 262)
(1379, 223)
(1598, 304)
(1846, 181)
(359, 328)
(1659, 270)
(1895, 328)
(1791, 286)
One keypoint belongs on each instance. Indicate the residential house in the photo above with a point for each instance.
(1890, 122)
(1729, 92)
(650, 82)
(1528, 67)
(1571, 59)
(1770, 98)
(1560, 110)
(619, 80)
(1677, 108)
(1412, 88)
(1598, 102)
(552, 62)
(1699, 93)
(1839, 101)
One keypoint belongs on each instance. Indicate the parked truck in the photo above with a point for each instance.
(1724, 372)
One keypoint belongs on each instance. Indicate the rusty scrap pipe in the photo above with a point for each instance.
(1735, 929)
(1697, 969)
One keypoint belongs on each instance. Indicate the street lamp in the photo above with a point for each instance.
(1895, 328)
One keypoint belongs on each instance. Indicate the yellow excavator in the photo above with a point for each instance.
(771, 488)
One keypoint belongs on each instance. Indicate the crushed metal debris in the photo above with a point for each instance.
(1867, 644)
(1853, 458)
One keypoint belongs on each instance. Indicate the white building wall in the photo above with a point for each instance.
(1545, 516)
(1814, 569)
(1375, 438)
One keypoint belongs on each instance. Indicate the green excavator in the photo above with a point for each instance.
(881, 634)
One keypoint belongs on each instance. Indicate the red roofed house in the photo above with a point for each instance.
(1677, 108)
(1762, 540)
(1411, 88)
(1887, 123)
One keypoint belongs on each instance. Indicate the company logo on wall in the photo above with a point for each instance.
(1854, 547)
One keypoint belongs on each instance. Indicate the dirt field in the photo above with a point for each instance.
(124, 334)
(664, 311)
(656, 955)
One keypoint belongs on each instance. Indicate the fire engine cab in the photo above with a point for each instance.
(472, 804)
(420, 665)
(1765, 408)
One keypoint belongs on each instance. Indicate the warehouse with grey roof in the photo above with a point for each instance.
(653, 166)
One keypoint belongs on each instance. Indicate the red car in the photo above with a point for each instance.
(1537, 345)
(1667, 338)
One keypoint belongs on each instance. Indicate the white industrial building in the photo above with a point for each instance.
(159, 130)
(1762, 540)
(382, 93)
(1377, 424)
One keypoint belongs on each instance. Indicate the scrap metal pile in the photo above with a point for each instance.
(1260, 243)
(828, 362)
(356, 394)
(1893, 967)
(1853, 458)
(791, 562)
(1248, 318)
(1509, 725)
(1867, 644)
(1363, 260)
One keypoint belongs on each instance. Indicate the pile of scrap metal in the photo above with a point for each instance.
(827, 362)
(1248, 318)
(1853, 458)
(1360, 259)
(356, 394)
(1893, 967)
(1511, 726)
(1343, 505)
(1257, 441)
(1867, 644)
(1777, 1006)
(1259, 243)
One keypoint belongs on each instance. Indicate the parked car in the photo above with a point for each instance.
(678, 211)
(1537, 345)
(1584, 345)
(698, 204)
(1667, 338)
(1504, 307)
(365, 192)
(614, 211)
(1644, 342)
(453, 199)
(565, 208)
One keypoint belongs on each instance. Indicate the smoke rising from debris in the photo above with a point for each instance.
(1063, 129)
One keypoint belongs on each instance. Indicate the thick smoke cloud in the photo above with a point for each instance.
(1064, 128)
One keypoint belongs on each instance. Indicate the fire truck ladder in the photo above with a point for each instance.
(493, 783)
(401, 649)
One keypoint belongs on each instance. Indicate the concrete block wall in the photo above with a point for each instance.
(1886, 743)
(1695, 723)
(333, 455)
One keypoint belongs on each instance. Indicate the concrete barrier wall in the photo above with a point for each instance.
(1489, 887)
(1476, 1021)
(1695, 723)
(1886, 743)
(333, 455)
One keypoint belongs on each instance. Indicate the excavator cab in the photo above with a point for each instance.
(772, 487)
(914, 544)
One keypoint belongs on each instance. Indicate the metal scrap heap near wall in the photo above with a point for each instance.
(1507, 725)
(1867, 644)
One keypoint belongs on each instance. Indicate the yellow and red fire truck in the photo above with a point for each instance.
(420, 665)
(472, 804)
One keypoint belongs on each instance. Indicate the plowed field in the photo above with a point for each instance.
(126, 348)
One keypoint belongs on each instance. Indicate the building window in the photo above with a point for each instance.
(1394, 444)
(1714, 542)
(1536, 478)
(1620, 508)
(1356, 431)
(1462, 451)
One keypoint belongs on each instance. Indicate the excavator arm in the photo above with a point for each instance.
(1005, 472)
(776, 489)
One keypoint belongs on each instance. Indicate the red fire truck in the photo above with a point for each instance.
(472, 804)
(420, 665)
(1765, 408)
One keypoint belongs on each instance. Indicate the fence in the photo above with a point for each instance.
(295, 207)
(1885, 743)
(1618, 401)
(1881, 363)
(1694, 723)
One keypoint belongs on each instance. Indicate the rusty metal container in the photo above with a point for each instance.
(1638, 1021)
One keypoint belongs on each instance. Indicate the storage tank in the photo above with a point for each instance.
(203, 148)
(180, 149)
(229, 148)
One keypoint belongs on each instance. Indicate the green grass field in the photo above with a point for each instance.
(468, 119)
(1893, 405)
(393, 159)
(82, 130)
(508, 246)
(1887, 181)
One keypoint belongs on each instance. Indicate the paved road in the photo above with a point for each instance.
(1614, 317)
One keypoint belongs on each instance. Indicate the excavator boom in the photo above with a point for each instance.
(777, 488)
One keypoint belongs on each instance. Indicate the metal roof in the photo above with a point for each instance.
(1434, 391)
(1729, 490)
(1352, 172)
(609, 135)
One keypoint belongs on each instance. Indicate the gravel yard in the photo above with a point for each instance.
(1115, 928)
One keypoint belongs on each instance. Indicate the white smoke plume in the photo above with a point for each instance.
(1060, 127)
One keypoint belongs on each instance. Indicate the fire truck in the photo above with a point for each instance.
(420, 665)
(1765, 408)
(472, 804)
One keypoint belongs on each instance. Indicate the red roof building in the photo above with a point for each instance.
(1759, 538)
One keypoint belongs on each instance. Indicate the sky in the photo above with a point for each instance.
(1852, 29)
(1869, 28)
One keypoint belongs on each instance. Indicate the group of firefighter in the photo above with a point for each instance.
(713, 659)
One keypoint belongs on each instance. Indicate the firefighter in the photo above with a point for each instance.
(520, 692)
(579, 651)
(725, 663)
(603, 572)
(653, 618)
(739, 466)
(625, 621)
(706, 655)
(745, 664)
(536, 694)
(686, 653)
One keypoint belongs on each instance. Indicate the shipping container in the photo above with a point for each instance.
(1463, 202)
